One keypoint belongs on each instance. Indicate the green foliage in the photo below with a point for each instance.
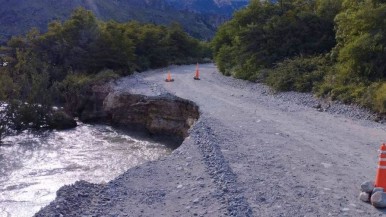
(335, 48)
(361, 36)
(115, 48)
(84, 45)
(298, 74)
(21, 116)
(17, 18)
(75, 89)
(7, 86)
(61, 65)
(266, 33)
(360, 69)
(60, 120)
(379, 101)
(328, 9)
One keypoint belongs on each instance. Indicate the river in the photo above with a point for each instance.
(34, 166)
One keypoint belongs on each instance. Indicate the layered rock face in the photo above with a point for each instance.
(160, 115)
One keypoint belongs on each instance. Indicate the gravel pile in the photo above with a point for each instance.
(302, 99)
(219, 170)
(137, 85)
(72, 200)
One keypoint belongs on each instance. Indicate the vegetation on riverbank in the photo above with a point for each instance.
(54, 68)
(334, 48)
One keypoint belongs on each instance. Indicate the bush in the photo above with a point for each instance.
(379, 100)
(74, 90)
(268, 32)
(360, 33)
(298, 74)
(60, 120)
(18, 116)
(104, 76)
(7, 87)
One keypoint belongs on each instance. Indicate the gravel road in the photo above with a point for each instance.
(252, 153)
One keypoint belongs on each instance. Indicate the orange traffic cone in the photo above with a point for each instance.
(197, 76)
(380, 178)
(169, 78)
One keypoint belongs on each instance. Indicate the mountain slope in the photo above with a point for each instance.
(199, 17)
(223, 7)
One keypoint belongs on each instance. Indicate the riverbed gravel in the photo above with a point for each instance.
(253, 152)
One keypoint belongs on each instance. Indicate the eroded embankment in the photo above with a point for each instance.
(165, 115)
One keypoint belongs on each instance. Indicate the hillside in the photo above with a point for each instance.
(199, 17)
(222, 7)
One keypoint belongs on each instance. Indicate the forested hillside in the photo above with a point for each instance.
(198, 17)
(58, 67)
(334, 48)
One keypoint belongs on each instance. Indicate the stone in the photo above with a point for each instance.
(367, 186)
(365, 197)
(376, 189)
(318, 106)
(59, 120)
(159, 115)
(378, 199)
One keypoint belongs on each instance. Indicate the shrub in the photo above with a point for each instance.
(21, 116)
(60, 120)
(379, 100)
(74, 90)
(298, 74)
(104, 76)
(268, 32)
(7, 87)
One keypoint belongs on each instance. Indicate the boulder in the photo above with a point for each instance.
(367, 186)
(160, 115)
(91, 107)
(376, 189)
(59, 120)
(365, 197)
(378, 199)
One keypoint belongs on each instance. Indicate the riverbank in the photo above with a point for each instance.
(33, 166)
(251, 153)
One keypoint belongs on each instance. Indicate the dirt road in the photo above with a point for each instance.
(250, 154)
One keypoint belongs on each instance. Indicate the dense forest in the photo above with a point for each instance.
(40, 70)
(334, 48)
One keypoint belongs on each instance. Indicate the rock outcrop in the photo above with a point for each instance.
(59, 120)
(159, 115)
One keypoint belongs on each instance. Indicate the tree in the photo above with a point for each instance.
(361, 36)
(115, 49)
(266, 33)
